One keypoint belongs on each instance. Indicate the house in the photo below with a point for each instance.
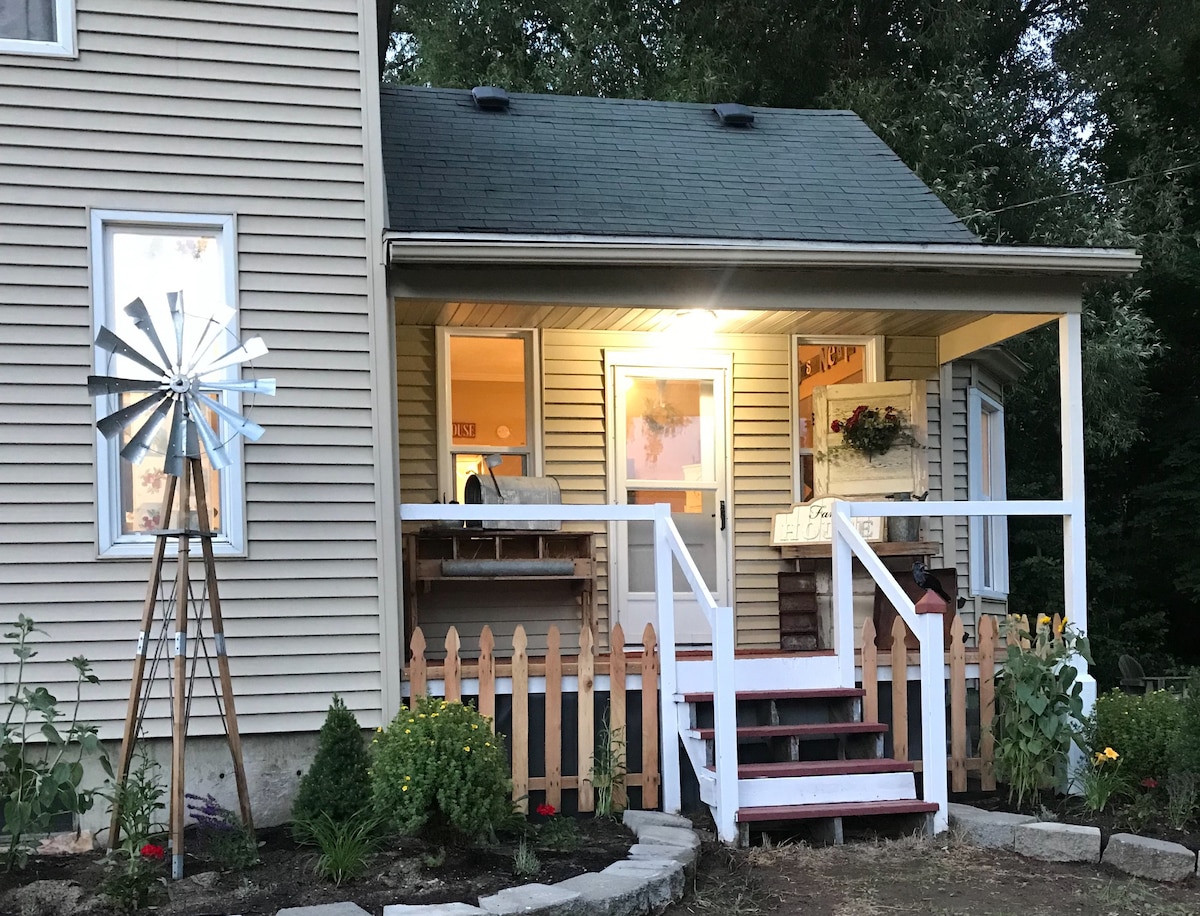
(442, 279)
(154, 146)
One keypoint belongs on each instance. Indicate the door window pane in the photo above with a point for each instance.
(669, 431)
(694, 514)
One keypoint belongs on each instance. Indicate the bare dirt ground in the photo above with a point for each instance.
(932, 877)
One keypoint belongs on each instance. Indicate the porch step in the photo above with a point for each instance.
(835, 809)
(822, 768)
(802, 730)
(828, 693)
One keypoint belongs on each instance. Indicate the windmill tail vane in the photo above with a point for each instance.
(182, 387)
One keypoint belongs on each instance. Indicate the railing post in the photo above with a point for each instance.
(664, 591)
(725, 723)
(843, 595)
(933, 716)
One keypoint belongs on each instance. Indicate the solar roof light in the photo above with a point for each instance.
(734, 115)
(490, 98)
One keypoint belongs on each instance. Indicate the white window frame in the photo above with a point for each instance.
(64, 44)
(873, 371)
(231, 501)
(533, 401)
(993, 563)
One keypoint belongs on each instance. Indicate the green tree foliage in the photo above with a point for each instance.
(337, 784)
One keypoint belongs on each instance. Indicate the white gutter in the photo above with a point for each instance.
(604, 251)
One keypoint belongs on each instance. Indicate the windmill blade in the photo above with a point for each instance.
(141, 318)
(251, 349)
(217, 322)
(109, 342)
(119, 419)
(175, 306)
(108, 384)
(177, 442)
(265, 386)
(139, 445)
(236, 421)
(217, 456)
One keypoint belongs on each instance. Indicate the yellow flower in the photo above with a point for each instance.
(379, 729)
(1062, 625)
(467, 748)
(474, 727)
(404, 788)
(1100, 758)
(408, 779)
(421, 716)
(1043, 620)
(1110, 753)
(408, 731)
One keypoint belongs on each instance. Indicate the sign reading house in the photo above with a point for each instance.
(812, 523)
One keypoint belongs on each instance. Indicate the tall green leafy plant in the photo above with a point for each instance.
(41, 752)
(1038, 702)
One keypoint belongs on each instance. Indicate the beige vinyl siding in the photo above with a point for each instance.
(181, 106)
(416, 392)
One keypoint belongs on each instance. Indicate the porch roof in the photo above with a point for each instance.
(565, 165)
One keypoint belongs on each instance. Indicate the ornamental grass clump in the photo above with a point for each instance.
(440, 761)
(1037, 702)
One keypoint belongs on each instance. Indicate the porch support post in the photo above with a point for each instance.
(933, 715)
(1070, 361)
(664, 596)
(843, 597)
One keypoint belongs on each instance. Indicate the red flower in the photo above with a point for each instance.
(1150, 782)
(836, 426)
(546, 810)
(150, 851)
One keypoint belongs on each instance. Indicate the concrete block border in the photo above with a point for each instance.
(650, 878)
(1133, 855)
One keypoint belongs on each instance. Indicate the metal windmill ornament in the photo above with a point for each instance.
(179, 388)
(182, 387)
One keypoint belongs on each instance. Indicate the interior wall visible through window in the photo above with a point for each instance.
(823, 361)
(489, 407)
(986, 481)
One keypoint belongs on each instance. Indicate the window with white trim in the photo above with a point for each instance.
(985, 480)
(488, 406)
(148, 255)
(824, 361)
(37, 27)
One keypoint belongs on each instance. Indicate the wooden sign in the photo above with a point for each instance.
(812, 523)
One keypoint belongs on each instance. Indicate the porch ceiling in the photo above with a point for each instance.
(427, 312)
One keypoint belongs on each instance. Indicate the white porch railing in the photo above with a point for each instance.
(668, 548)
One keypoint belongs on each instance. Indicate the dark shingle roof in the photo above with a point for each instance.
(563, 165)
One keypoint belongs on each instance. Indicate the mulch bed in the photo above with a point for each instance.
(408, 870)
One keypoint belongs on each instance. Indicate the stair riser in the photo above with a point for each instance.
(811, 790)
(788, 712)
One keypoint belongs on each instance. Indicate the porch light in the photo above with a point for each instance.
(695, 322)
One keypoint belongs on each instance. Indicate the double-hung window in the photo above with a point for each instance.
(146, 256)
(37, 27)
(985, 481)
(488, 406)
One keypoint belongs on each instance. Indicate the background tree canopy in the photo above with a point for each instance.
(1053, 122)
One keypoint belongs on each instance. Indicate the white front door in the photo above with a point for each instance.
(669, 445)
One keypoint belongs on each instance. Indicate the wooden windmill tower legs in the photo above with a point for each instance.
(139, 687)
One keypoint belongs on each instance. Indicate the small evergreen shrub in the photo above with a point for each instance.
(1142, 727)
(441, 760)
(337, 784)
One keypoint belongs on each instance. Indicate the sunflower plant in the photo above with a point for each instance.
(1038, 702)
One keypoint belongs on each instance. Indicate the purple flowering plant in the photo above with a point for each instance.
(225, 839)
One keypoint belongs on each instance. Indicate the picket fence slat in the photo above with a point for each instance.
(899, 691)
(987, 637)
(491, 666)
(958, 708)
